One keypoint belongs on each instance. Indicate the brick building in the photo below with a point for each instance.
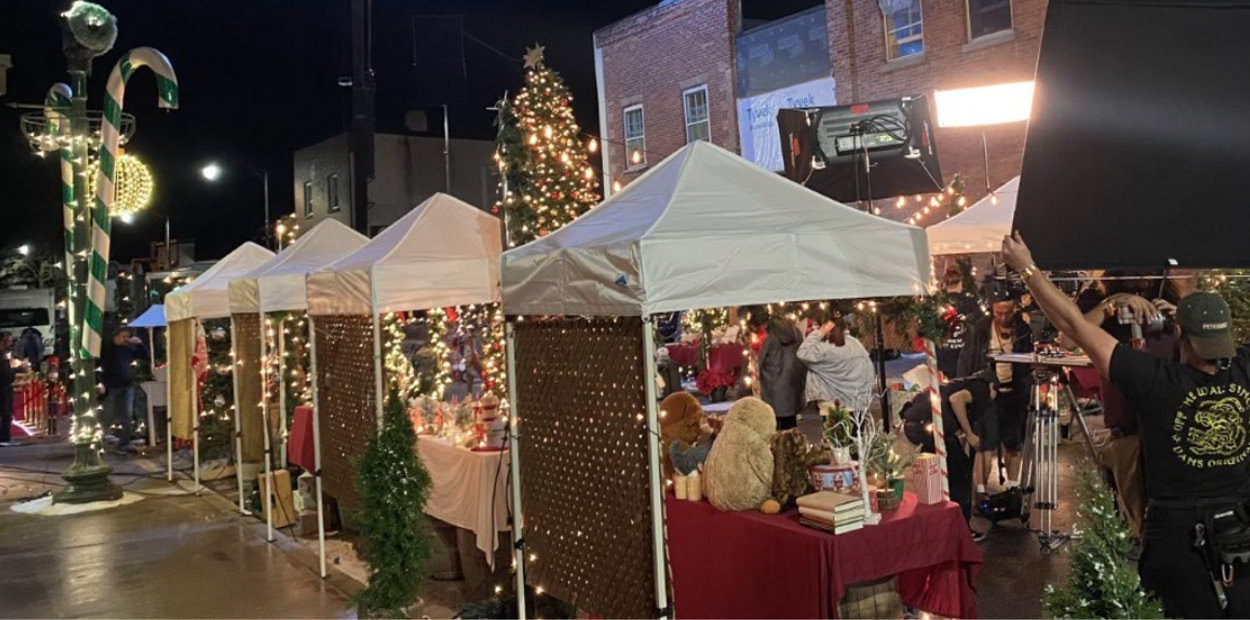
(648, 64)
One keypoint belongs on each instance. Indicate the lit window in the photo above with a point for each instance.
(698, 126)
(332, 192)
(988, 16)
(308, 205)
(904, 31)
(635, 138)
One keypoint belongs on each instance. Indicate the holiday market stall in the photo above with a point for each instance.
(271, 302)
(702, 229)
(199, 362)
(155, 391)
(441, 259)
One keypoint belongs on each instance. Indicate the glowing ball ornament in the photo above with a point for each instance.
(132, 189)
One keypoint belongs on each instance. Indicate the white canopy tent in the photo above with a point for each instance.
(704, 228)
(206, 297)
(445, 252)
(980, 228)
(279, 285)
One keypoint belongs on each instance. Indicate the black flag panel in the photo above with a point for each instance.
(1138, 150)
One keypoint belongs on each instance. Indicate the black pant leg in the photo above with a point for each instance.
(959, 471)
(1175, 571)
(787, 422)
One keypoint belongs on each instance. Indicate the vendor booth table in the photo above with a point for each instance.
(444, 253)
(279, 286)
(468, 490)
(205, 298)
(701, 229)
(753, 565)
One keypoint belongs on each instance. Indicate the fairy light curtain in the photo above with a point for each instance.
(345, 394)
(584, 477)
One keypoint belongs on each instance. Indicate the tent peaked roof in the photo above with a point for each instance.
(206, 297)
(278, 285)
(445, 252)
(981, 227)
(152, 317)
(705, 228)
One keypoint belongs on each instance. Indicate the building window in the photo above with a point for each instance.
(698, 126)
(332, 192)
(635, 138)
(308, 209)
(904, 31)
(987, 17)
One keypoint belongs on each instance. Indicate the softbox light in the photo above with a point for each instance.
(1137, 153)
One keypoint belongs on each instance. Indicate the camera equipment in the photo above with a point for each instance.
(864, 151)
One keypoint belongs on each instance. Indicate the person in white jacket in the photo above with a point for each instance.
(838, 366)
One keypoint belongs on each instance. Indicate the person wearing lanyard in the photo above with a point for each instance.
(1192, 417)
(1004, 331)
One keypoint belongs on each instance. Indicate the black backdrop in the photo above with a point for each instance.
(1138, 148)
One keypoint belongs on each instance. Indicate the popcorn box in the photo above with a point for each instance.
(925, 479)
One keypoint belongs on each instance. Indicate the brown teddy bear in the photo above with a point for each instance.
(738, 474)
(792, 456)
(681, 419)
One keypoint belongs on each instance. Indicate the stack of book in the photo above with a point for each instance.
(831, 511)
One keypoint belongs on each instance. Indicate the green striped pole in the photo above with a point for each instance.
(110, 134)
(58, 103)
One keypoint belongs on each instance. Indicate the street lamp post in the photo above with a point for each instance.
(212, 172)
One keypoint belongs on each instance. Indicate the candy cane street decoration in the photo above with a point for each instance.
(933, 376)
(110, 133)
(58, 103)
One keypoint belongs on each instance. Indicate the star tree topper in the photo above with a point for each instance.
(534, 56)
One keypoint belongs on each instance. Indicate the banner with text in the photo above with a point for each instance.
(757, 118)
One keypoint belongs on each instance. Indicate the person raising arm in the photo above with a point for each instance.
(1062, 312)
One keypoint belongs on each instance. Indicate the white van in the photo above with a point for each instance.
(35, 307)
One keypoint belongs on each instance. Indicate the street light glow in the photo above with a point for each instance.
(984, 105)
(24, 249)
(211, 172)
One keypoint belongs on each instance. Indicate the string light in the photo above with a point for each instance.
(132, 185)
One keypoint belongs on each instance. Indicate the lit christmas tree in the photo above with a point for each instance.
(545, 180)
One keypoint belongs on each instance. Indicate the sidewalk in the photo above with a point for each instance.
(170, 555)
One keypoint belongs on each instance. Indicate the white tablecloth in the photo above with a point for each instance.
(465, 485)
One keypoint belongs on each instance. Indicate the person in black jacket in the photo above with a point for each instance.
(1004, 331)
(7, 375)
(783, 378)
(117, 362)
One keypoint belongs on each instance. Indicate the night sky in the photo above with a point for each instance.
(259, 81)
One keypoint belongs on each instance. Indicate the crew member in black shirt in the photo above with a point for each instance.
(1192, 421)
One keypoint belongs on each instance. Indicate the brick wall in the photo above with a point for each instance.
(857, 51)
(650, 58)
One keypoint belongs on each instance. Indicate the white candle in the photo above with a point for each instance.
(694, 487)
(679, 486)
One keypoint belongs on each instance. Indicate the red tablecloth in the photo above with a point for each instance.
(299, 448)
(751, 565)
(727, 358)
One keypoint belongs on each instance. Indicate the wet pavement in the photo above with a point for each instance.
(171, 555)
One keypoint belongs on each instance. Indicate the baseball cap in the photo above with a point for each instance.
(1206, 321)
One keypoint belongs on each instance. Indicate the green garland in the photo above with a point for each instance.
(393, 486)
(1101, 584)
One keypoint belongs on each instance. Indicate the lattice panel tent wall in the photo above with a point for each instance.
(259, 303)
(443, 253)
(702, 229)
(204, 298)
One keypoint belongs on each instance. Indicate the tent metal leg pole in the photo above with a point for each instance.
(238, 424)
(653, 455)
(169, 409)
(316, 429)
(514, 469)
(376, 317)
(195, 426)
(264, 416)
(282, 432)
